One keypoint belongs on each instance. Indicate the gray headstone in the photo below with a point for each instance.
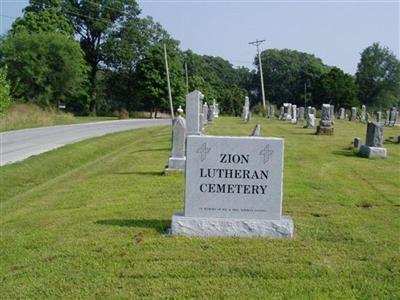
(281, 113)
(301, 113)
(246, 109)
(379, 117)
(294, 114)
(374, 135)
(342, 113)
(332, 112)
(387, 120)
(289, 112)
(256, 130)
(353, 116)
(193, 125)
(235, 192)
(205, 113)
(393, 116)
(310, 121)
(177, 159)
(357, 142)
(363, 113)
(325, 116)
(210, 114)
(271, 111)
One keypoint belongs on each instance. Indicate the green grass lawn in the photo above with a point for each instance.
(88, 221)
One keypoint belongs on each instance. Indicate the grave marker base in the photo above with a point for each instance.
(324, 130)
(207, 226)
(372, 152)
(175, 164)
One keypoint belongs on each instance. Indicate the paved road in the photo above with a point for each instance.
(20, 144)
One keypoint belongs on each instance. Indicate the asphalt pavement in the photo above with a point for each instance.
(20, 144)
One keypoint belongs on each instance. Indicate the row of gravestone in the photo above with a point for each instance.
(198, 116)
(233, 185)
(294, 114)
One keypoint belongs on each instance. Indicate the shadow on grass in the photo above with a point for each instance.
(347, 153)
(152, 150)
(305, 133)
(160, 226)
(145, 173)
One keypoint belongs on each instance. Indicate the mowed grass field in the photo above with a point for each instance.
(89, 220)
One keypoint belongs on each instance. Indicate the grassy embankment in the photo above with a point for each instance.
(22, 116)
(88, 221)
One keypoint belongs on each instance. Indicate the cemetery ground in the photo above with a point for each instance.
(89, 220)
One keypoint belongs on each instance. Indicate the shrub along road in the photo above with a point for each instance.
(20, 144)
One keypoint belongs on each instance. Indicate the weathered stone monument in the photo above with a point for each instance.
(310, 120)
(216, 115)
(357, 143)
(332, 113)
(363, 117)
(342, 113)
(205, 114)
(379, 117)
(387, 120)
(392, 116)
(281, 113)
(177, 159)
(235, 190)
(246, 109)
(325, 124)
(210, 114)
(288, 112)
(374, 142)
(256, 130)
(353, 115)
(193, 117)
(294, 114)
(301, 113)
(271, 112)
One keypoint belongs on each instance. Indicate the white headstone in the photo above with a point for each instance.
(178, 159)
(193, 105)
(294, 114)
(233, 190)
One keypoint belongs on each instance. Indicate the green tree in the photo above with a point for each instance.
(217, 79)
(285, 73)
(42, 16)
(337, 88)
(378, 77)
(123, 50)
(151, 76)
(5, 99)
(94, 21)
(44, 68)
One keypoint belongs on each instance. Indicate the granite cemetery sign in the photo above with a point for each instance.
(235, 190)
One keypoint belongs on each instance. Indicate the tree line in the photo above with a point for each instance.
(101, 56)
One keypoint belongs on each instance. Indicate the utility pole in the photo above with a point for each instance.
(305, 95)
(168, 82)
(257, 43)
(187, 78)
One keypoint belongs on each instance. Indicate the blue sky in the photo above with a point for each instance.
(335, 31)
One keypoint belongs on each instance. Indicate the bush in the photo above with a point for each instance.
(44, 68)
(258, 109)
(124, 114)
(5, 99)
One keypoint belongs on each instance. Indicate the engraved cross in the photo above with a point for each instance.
(203, 150)
(266, 153)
